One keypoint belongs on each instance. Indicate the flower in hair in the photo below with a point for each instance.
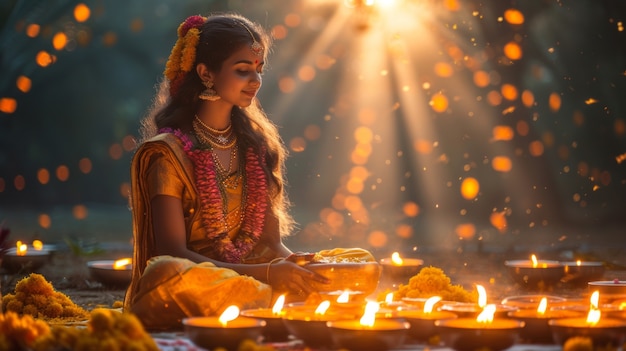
(183, 54)
(191, 22)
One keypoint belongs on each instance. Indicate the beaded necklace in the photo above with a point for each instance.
(213, 204)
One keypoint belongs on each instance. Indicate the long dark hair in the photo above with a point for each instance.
(220, 36)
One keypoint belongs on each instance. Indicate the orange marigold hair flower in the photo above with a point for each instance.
(183, 54)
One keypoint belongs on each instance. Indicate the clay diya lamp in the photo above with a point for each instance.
(483, 332)
(532, 301)
(581, 272)
(308, 323)
(536, 329)
(226, 331)
(349, 303)
(369, 333)
(535, 274)
(25, 258)
(112, 273)
(604, 332)
(400, 269)
(472, 310)
(274, 329)
(422, 322)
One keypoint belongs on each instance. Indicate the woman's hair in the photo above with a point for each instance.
(221, 35)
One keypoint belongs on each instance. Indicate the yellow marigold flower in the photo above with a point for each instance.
(189, 50)
(173, 63)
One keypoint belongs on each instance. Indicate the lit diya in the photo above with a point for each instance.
(607, 333)
(25, 258)
(369, 333)
(472, 310)
(349, 303)
(582, 272)
(536, 328)
(483, 332)
(423, 321)
(226, 331)
(275, 329)
(111, 273)
(534, 273)
(309, 325)
(400, 268)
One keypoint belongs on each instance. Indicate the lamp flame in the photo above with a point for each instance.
(344, 297)
(37, 245)
(278, 305)
(230, 313)
(430, 303)
(593, 317)
(482, 295)
(389, 298)
(579, 263)
(396, 259)
(486, 316)
(322, 308)
(533, 258)
(121, 263)
(369, 316)
(543, 305)
(21, 248)
(594, 300)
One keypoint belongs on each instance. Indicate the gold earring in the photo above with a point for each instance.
(209, 93)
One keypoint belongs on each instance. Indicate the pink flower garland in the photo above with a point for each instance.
(212, 204)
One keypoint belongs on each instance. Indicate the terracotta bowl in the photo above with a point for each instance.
(463, 334)
(356, 276)
(102, 271)
(385, 335)
(206, 332)
(30, 262)
(536, 278)
(579, 273)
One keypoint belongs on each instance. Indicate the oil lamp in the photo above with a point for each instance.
(604, 332)
(536, 328)
(24, 257)
(423, 321)
(226, 331)
(535, 274)
(482, 332)
(112, 273)
(369, 333)
(275, 329)
(398, 268)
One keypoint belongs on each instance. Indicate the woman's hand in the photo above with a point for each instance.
(289, 276)
(301, 258)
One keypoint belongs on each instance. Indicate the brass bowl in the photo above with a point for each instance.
(356, 276)
(30, 262)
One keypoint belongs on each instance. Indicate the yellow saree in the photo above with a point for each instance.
(166, 289)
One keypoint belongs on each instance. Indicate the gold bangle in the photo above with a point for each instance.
(269, 265)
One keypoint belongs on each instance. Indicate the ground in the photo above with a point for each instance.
(68, 272)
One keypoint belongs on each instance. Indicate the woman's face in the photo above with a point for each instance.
(239, 79)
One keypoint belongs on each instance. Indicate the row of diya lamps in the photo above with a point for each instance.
(537, 274)
(352, 322)
(30, 258)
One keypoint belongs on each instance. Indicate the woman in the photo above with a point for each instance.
(208, 201)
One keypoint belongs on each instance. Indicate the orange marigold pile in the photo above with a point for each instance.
(432, 281)
(35, 296)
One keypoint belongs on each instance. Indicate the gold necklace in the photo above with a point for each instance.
(211, 129)
(222, 142)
